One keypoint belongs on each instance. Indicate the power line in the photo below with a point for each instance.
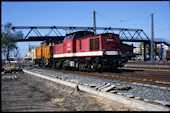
(161, 24)
(169, 21)
(146, 13)
(105, 19)
(163, 29)
(145, 21)
(81, 18)
(133, 18)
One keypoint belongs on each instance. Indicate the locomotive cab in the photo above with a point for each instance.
(70, 40)
(68, 43)
(110, 44)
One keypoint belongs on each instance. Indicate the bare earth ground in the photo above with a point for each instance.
(30, 93)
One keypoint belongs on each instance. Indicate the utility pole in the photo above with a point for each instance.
(29, 47)
(94, 22)
(169, 21)
(152, 40)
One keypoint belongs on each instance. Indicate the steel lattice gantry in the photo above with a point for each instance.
(125, 34)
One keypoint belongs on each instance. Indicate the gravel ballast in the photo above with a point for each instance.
(143, 91)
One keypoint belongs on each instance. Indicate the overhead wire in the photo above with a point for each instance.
(161, 24)
(132, 18)
(126, 20)
(144, 21)
(106, 19)
(82, 18)
(146, 13)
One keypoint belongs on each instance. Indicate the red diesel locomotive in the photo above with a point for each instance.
(83, 50)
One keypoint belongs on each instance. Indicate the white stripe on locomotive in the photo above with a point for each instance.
(81, 54)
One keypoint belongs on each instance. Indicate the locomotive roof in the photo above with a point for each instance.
(89, 33)
(107, 33)
(80, 32)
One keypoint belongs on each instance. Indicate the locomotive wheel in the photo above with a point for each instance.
(63, 66)
(92, 68)
(81, 67)
(39, 65)
(57, 66)
(100, 70)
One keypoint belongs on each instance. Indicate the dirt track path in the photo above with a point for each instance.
(30, 93)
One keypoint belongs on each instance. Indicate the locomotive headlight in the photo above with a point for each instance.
(110, 39)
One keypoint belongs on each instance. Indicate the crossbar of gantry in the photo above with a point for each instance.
(68, 27)
(123, 32)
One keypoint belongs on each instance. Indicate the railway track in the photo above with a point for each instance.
(149, 63)
(148, 68)
(158, 78)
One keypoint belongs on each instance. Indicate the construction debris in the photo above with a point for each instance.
(76, 88)
(122, 87)
(10, 69)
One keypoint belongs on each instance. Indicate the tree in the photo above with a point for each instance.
(141, 48)
(8, 40)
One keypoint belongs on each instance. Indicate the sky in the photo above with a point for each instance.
(116, 14)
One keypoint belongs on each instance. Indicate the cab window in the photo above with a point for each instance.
(70, 37)
(66, 38)
(78, 35)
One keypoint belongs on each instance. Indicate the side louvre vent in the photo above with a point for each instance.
(94, 44)
(97, 44)
(91, 44)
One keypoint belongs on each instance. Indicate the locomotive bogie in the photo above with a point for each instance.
(88, 63)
